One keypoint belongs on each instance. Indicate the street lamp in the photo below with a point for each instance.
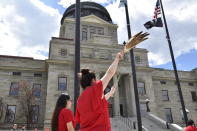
(123, 3)
(147, 101)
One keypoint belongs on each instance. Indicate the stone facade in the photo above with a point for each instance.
(99, 47)
(28, 68)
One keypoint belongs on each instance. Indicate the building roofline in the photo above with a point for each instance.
(60, 38)
(163, 69)
(20, 57)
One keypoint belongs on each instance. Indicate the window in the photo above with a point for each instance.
(84, 33)
(168, 115)
(163, 82)
(14, 89)
(63, 52)
(137, 59)
(37, 74)
(16, 73)
(62, 83)
(35, 113)
(141, 88)
(36, 91)
(10, 114)
(62, 30)
(191, 84)
(194, 96)
(165, 95)
(92, 31)
(100, 31)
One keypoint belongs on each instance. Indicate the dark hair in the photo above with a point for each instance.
(190, 122)
(60, 104)
(86, 78)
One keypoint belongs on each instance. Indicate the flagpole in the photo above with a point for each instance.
(139, 121)
(174, 66)
(77, 53)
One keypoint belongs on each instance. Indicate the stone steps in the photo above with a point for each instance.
(118, 124)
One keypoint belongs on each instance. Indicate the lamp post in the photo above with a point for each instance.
(147, 101)
(123, 3)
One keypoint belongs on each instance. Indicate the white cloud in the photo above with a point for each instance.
(26, 27)
(67, 3)
(181, 20)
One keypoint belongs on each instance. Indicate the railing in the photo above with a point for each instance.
(128, 122)
(144, 129)
(162, 123)
(132, 124)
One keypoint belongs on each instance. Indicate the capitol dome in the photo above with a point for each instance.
(88, 8)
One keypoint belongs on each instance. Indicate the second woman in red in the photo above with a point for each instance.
(63, 118)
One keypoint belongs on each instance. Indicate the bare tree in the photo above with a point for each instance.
(26, 100)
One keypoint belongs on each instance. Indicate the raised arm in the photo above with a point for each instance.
(111, 70)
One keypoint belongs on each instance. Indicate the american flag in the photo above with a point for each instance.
(156, 21)
(157, 11)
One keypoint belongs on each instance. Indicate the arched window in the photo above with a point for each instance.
(84, 35)
(84, 32)
(92, 31)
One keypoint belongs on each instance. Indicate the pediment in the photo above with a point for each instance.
(93, 19)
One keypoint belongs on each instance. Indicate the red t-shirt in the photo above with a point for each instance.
(92, 111)
(65, 116)
(191, 128)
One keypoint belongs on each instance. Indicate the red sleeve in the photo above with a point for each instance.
(68, 115)
(98, 89)
(96, 96)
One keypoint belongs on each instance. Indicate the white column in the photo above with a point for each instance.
(132, 94)
(128, 93)
(97, 75)
(116, 98)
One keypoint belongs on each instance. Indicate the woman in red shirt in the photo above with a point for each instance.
(63, 118)
(190, 126)
(92, 108)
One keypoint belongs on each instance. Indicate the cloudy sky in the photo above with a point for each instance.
(26, 26)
